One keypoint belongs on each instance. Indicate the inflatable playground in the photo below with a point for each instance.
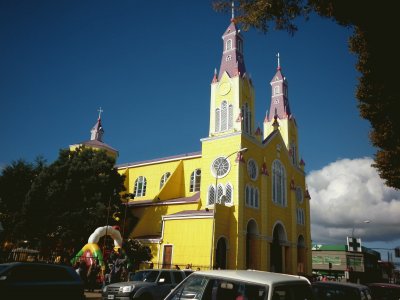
(91, 252)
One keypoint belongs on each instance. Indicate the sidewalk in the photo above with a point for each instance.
(96, 295)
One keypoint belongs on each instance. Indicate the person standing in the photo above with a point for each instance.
(92, 274)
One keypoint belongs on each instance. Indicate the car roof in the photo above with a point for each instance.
(384, 285)
(254, 276)
(344, 284)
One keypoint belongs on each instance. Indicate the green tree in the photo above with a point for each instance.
(70, 198)
(373, 41)
(15, 182)
(136, 252)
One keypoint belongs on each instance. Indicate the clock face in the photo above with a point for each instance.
(224, 88)
(220, 167)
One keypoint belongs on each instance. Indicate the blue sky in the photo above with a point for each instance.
(149, 65)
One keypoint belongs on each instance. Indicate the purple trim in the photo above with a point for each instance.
(184, 200)
(189, 213)
(175, 157)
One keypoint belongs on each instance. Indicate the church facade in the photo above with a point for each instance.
(239, 203)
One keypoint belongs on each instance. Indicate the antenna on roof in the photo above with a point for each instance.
(233, 10)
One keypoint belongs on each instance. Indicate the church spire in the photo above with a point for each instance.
(279, 98)
(97, 130)
(232, 61)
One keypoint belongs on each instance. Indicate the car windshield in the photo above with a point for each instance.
(148, 276)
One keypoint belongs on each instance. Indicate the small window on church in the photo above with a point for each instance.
(228, 194)
(140, 186)
(228, 44)
(164, 179)
(195, 179)
(228, 58)
(211, 195)
(276, 90)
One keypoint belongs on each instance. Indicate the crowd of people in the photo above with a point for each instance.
(93, 277)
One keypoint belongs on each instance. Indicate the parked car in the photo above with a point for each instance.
(23, 280)
(332, 290)
(145, 285)
(384, 291)
(241, 284)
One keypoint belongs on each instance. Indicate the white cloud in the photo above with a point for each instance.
(346, 193)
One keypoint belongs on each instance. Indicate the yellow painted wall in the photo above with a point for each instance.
(190, 240)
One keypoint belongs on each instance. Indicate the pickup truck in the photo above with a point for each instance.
(149, 284)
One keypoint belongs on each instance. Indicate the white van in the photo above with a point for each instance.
(241, 285)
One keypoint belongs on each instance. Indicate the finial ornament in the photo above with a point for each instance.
(233, 10)
(100, 111)
(279, 62)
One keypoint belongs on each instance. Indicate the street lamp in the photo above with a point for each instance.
(354, 226)
(355, 245)
(216, 200)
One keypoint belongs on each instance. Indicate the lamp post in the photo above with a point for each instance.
(355, 244)
(354, 226)
(242, 150)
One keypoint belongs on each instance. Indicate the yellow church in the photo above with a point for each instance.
(239, 203)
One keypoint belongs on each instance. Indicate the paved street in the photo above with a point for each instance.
(93, 295)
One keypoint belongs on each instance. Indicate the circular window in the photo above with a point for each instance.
(299, 194)
(220, 167)
(252, 169)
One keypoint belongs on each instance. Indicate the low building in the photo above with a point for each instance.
(337, 263)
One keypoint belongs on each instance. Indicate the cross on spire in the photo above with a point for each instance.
(279, 62)
(233, 10)
(100, 111)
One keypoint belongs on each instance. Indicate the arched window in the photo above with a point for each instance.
(224, 116)
(278, 183)
(195, 179)
(228, 194)
(256, 198)
(140, 187)
(228, 44)
(220, 192)
(211, 195)
(239, 45)
(247, 197)
(252, 196)
(300, 216)
(164, 179)
(294, 154)
(230, 117)
(217, 120)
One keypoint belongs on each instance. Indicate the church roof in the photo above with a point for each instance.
(190, 213)
(98, 144)
(151, 202)
(159, 160)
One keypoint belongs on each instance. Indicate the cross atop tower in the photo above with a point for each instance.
(233, 10)
(279, 62)
(100, 111)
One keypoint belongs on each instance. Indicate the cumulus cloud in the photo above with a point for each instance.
(344, 195)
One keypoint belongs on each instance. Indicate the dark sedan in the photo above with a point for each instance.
(21, 280)
(384, 291)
